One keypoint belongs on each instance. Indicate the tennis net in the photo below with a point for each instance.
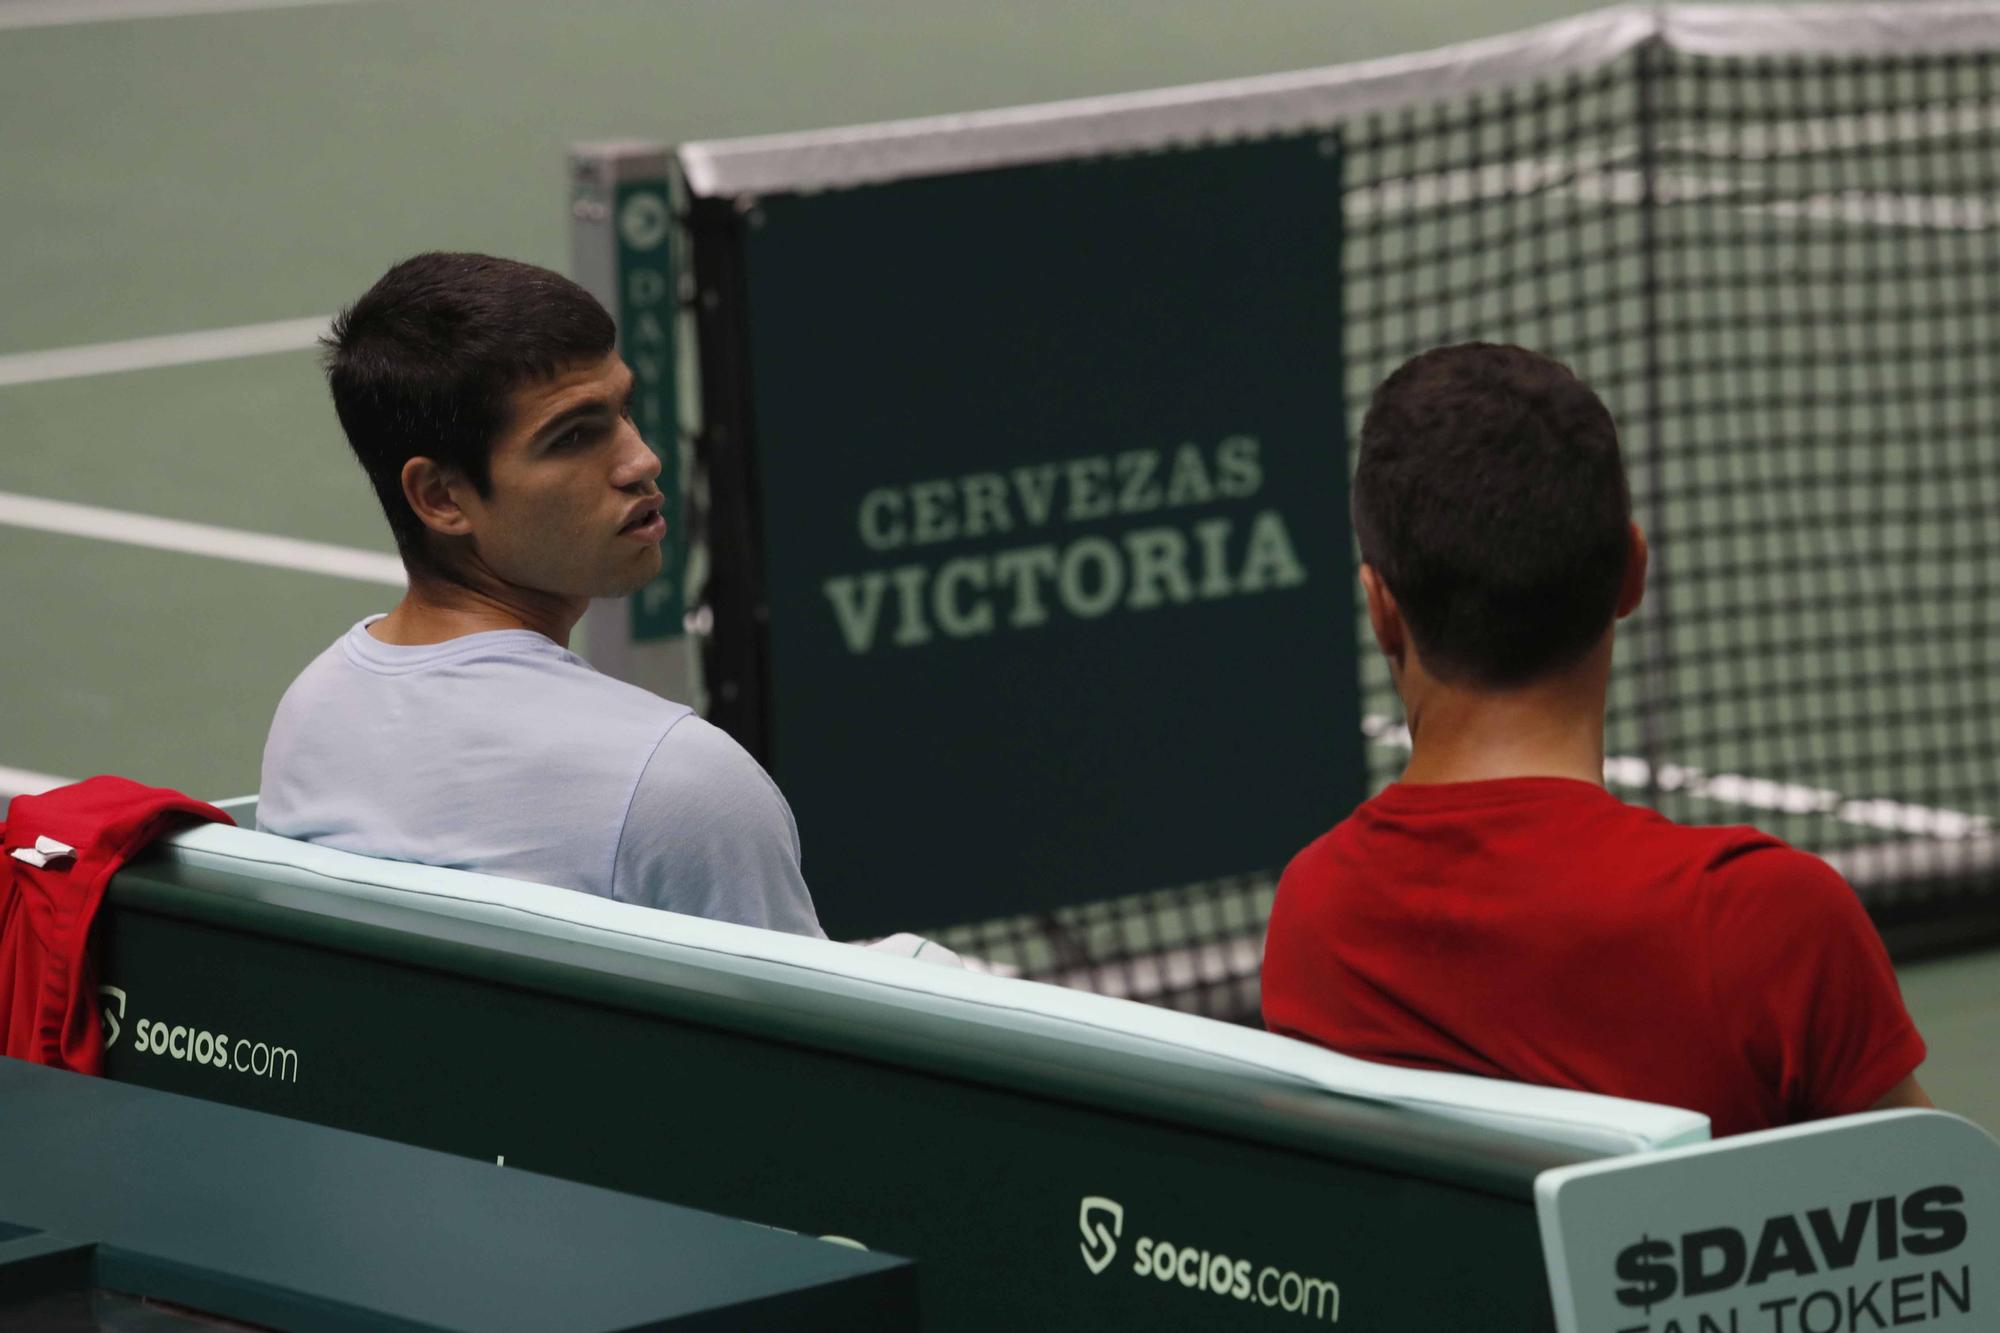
(1770, 238)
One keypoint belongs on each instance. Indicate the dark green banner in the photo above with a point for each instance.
(1051, 464)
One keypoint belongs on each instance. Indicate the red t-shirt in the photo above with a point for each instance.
(1542, 930)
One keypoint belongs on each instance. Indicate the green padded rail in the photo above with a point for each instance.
(1062, 1160)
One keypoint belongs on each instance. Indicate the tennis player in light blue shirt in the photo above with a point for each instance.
(503, 752)
(487, 403)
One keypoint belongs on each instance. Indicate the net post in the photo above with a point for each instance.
(735, 650)
(622, 251)
(1655, 687)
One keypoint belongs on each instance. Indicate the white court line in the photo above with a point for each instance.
(26, 782)
(167, 534)
(1632, 773)
(1591, 177)
(62, 13)
(1875, 208)
(171, 349)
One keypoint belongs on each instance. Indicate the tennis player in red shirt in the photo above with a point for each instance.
(1497, 911)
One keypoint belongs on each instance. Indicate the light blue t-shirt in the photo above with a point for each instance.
(506, 753)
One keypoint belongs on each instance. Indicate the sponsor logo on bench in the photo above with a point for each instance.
(111, 1013)
(1102, 1223)
(194, 1045)
(1100, 1243)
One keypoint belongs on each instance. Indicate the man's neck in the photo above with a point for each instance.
(1549, 729)
(435, 610)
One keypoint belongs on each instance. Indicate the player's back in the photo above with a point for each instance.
(1541, 930)
(500, 752)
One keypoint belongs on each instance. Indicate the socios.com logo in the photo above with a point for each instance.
(193, 1044)
(1198, 1269)
(111, 1013)
(1100, 1242)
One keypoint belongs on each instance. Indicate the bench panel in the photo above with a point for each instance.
(983, 1180)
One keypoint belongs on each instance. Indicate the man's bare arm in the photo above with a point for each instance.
(1907, 1093)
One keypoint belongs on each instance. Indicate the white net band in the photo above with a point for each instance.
(1305, 100)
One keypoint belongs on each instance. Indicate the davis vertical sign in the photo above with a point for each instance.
(643, 220)
(622, 237)
(1045, 468)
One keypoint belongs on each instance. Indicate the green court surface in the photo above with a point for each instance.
(173, 175)
(1956, 1002)
(167, 176)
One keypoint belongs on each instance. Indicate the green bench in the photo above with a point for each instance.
(1051, 1159)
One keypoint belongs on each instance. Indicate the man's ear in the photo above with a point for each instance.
(429, 489)
(1384, 617)
(1634, 586)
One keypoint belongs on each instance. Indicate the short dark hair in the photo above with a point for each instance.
(424, 363)
(1491, 499)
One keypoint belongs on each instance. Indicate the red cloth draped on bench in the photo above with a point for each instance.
(57, 852)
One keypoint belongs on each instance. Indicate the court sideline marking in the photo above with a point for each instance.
(168, 534)
(170, 349)
(1738, 790)
(26, 782)
(100, 524)
(63, 13)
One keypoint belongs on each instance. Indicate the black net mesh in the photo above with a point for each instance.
(1784, 277)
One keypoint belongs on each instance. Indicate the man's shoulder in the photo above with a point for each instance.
(315, 695)
(1730, 858)
(508, 679)
(708, 832)
(1615, 838)
(1713, 847)
(1756, 874)
(695, 758)
(1724, 862)
(575, 724)
(1319, 853)
(574, 684)
(501, 708)
(325, 668)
